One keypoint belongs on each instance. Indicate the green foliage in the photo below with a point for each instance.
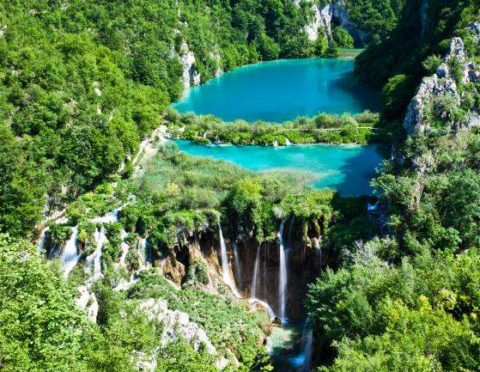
(227, 325)
(40, 327)
(420, 35)
(396, 95)
(360, 128)
(342, 38)
(432, 63)
(389, 318)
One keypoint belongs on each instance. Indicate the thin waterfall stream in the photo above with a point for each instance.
(70, 256)
(282, 289)
(237, 267)
(255, 273)
(227, 277)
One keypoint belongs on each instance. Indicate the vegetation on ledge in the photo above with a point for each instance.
(324, 128)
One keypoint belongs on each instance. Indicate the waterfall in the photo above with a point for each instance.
(94, 261)
(110, 217)
(41, 240)
(255, 273)
(265, 272)
(70, 256)
(145, 252)
(282, 289)
(227, 278)
(267, 307)
(142, 246)
(302, 361)
(124, 247)
(318, 252)
(237, 268)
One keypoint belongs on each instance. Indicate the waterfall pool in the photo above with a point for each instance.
(281, 90)
(347, 169)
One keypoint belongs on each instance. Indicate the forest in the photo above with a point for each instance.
(85, 83)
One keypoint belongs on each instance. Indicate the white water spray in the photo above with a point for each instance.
(237, 268)
(124, 247)
(41, 240)
(94, 261)
(110, 217)
(255, 273)
(70, 256)
(282, 289)
(227, 278)
(266, 306)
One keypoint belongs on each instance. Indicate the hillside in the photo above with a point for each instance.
(118, 252)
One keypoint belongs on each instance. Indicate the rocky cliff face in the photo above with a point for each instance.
(190, 75)
(324, 18)
(443, 87)
(177, 326)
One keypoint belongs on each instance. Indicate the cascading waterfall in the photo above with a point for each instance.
(266, 306)
(94, 261)
(142, 245)
(282, 289)
(265, 273)
(238, 271)
(70, 256)
(255, 273)
(110, 217)
(124, 247)
(227, 278)
(254, 299)
(318, 253)
(41, 240)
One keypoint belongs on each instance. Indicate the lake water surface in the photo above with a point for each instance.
(345, 168)
(281, 90)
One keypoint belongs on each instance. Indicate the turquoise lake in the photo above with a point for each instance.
(281, 90)
(348, 169)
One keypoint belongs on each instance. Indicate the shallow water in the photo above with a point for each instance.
(347, 169)
(281, 90)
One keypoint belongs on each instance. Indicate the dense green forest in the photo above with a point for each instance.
(84, 82)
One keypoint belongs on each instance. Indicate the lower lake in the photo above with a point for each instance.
(347, 169)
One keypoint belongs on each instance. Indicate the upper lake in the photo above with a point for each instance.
(281, 90)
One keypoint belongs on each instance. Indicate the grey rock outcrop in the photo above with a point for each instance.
(177, 326)
(442, 87)
(190, 75)
(323, 18)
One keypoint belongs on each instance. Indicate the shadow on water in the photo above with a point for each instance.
(367, 96)
(363, 166)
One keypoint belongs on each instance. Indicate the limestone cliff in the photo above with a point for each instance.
(324, 18)
(441, 92)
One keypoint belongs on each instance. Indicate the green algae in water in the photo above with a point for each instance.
(347, 169)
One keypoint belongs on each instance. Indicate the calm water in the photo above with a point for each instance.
(345, 168)
(281, 90)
